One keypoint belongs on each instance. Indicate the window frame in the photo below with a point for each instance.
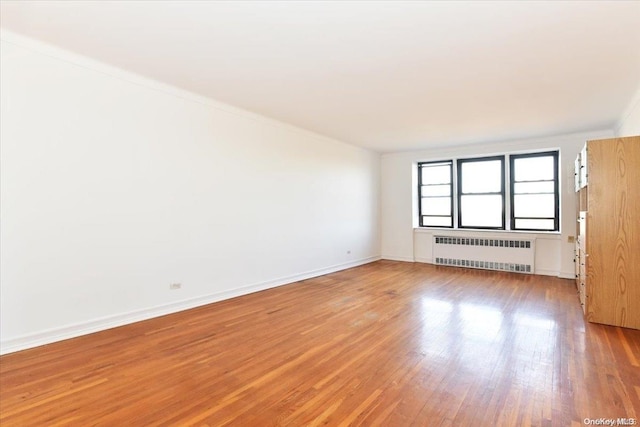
(555, 154)
(508, 203)
(459, 193)
(420, 196)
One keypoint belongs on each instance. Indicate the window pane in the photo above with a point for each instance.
(534, 205)
(535, 224)
(436, 196)
(533, 168)
(533, 187)
(440, 174)
(436, 206)
(481, 176)
(481, 211)
(436, 190)
(436, 221)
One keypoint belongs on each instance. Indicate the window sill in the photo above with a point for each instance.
(552, 235)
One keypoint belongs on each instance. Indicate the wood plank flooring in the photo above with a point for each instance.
(385, 344)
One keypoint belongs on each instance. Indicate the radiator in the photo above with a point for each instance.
(515, 255)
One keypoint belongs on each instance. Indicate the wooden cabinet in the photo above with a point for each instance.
(580, 274)
(581, 260)
(608, 249)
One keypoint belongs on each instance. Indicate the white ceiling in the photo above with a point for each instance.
(384, 75)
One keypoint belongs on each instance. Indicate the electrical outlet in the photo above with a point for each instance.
(175, 286)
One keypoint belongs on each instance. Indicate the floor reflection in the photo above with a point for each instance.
(480, 322)
(483, 338)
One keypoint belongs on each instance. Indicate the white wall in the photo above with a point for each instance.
(629, 124)
(113, 187)
(402, 240)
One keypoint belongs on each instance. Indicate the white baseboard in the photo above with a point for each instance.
(424, 260)
(397, 258)
(565, 275)
(543, 272)
(100, 324)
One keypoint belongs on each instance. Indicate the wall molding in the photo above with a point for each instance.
(100, 324)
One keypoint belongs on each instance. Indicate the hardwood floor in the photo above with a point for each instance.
(388, 343)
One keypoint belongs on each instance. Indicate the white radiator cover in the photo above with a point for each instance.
(516, 255)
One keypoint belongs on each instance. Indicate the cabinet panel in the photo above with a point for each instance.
(582, 223)
(576, 260)
(610, 231)
(576, 174)
(582, 268)
(584, 165)
(582, 292)
(582, 278)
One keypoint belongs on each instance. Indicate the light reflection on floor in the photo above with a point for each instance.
(481, 336)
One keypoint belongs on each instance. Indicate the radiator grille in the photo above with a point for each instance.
(474, 241)
(487, 265)
(514, 255)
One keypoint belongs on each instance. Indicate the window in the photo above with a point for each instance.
(480, 188)
(534, 192)
(435, 180)
(481, 193)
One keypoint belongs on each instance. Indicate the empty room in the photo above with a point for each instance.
(303, 213)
